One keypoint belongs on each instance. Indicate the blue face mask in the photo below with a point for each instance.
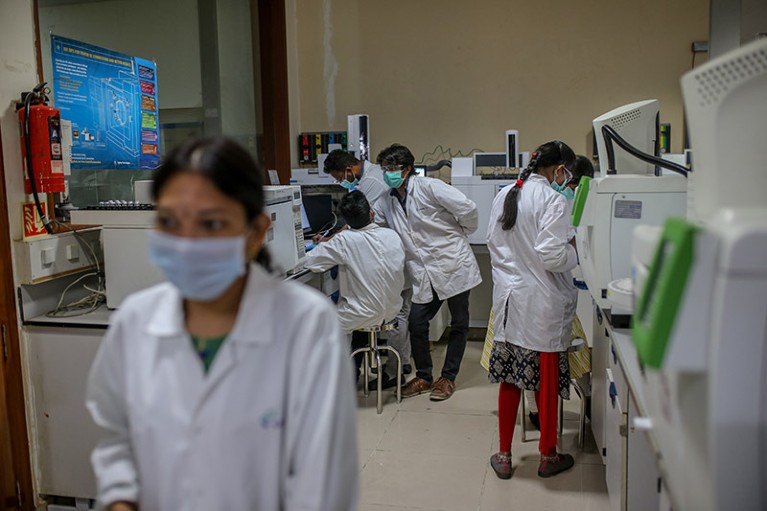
(563, 188)
(569, 193)
(393, 178)
(350, 185)
(201, 268)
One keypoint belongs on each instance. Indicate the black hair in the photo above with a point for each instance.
(582, 167)
(337, 161)
(546, 155)
(355, 209)
(396, 154)
(227, 165)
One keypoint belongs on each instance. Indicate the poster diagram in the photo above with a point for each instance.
(111, 100)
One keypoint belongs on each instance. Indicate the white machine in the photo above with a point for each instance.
(512, 149)
(606, 211)
(124, 238)
(358, 136)
(285, 237)
(311, 177)
(637, 123)
(700, 326)
(482, 190)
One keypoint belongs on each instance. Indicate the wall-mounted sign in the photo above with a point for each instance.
(111, 100)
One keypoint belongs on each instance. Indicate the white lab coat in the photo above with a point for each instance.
(371, 183)
(271, 426)
(531, 265)
(371, 266)
(434, 232)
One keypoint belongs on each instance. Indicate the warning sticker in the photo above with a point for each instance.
(631, 209)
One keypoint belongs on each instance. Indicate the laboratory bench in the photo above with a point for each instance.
(635, 472)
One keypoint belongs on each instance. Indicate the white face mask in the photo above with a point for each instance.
(201, 268)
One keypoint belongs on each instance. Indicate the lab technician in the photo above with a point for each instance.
(354, 174)
(367, 177)
(225, 387)
(433, 220)
(534, 299)
(580, 360)
(371, 270)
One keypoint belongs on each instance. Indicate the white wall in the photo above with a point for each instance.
(165, 31)
(18, 72)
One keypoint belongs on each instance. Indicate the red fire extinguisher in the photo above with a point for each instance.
(41, 143)
(41, 147)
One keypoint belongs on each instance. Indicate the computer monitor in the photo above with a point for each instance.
(305, 225)
(319, 211)
(638, 124)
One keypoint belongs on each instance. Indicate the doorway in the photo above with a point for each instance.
(15, 473)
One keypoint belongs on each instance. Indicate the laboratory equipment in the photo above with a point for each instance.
(312, 177)
(285, 237)
(125, 246)
(482, 190)
(495, 161)
(606, 211)
(700, 324)
(637, 123)
(512, 148)
(125, 243)
(359, 136)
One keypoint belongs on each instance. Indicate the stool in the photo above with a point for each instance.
(576, 345)
(374, 350)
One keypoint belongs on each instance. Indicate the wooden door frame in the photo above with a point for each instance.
(11, 373)
(273, 50)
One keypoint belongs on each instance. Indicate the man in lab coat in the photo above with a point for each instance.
(354, 174)
(367, 177)
(371, 264)
(433, 220)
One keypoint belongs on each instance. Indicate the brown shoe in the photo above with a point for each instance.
(442, 389)
(415, 387)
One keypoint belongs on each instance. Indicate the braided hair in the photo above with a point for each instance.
(548, 154)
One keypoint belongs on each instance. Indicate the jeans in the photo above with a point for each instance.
(420, 315)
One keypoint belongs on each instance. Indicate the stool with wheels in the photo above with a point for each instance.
(373, 352)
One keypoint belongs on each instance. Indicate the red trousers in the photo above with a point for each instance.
(546, 399)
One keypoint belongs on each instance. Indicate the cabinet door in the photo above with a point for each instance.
(615, 420)
(642, 475)
(599, 398)
(63, 431)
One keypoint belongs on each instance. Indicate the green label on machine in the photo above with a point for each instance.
(580, 200)
(664, 291)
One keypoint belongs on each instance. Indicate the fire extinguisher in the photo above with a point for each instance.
(41, 147)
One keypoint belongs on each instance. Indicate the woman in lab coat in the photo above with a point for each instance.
(532, 254)
(224, 388)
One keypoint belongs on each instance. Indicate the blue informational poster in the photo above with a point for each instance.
(111, 99)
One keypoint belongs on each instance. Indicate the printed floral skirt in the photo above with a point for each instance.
(522, 367)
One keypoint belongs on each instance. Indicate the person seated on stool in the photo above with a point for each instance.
(371, 269)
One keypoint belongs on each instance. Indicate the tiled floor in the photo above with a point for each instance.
(434, 456)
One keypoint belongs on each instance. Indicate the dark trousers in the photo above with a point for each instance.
(359, 340)
(420, 315)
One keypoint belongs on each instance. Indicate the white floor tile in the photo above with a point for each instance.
(423, 482)
(433, 456)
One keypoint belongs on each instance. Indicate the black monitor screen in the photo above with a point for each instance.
(319, 211)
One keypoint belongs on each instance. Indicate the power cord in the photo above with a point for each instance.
(97, 295)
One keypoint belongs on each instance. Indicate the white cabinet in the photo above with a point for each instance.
(64, 434)
(599, 350)
(642, 475)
